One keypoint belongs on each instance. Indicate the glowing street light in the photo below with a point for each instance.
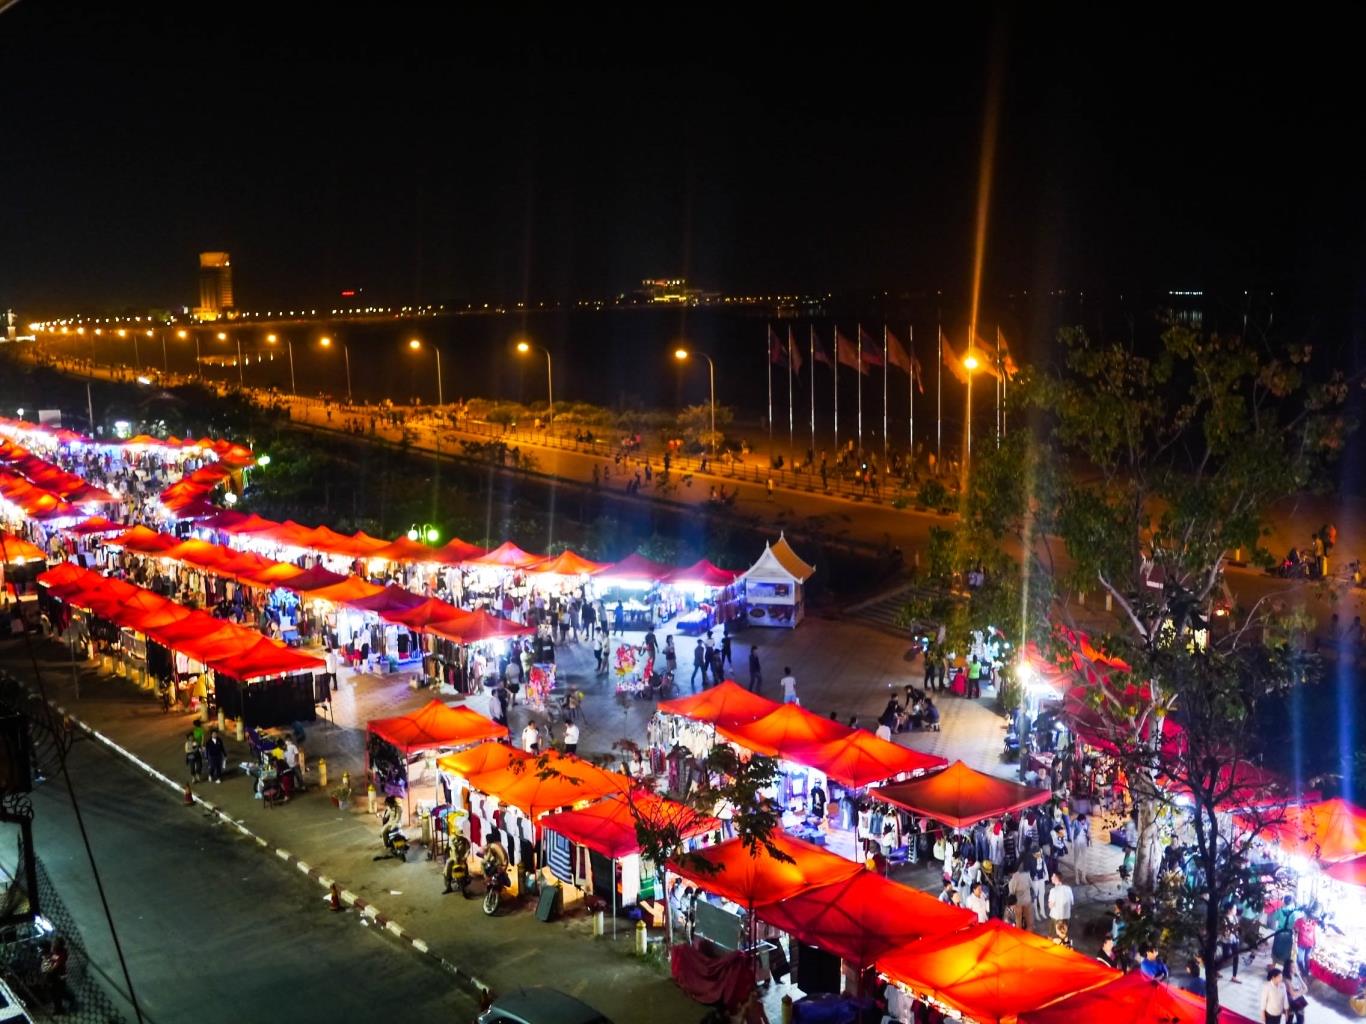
(426, 532)
(682, 355)
(271, 339)
(182, 334)
(415, 344)
(969, 363)
(326, 342)
(241, 382)
(524, 347)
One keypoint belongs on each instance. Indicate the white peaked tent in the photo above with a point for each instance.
(773, 586)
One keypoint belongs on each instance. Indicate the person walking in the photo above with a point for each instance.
(1059, 900)
(1296, 991)
(531, 738)
(194, 758)
(717, 672)
(726, 658)
(1274, 1001)
(699, 664)
(756, 675)
(1081, 846)
(217, 754)
(789, 684)
(571, 738)
(1020, 888)
(671, 656)
(978, 903)
(974, 678)
(1038, 880)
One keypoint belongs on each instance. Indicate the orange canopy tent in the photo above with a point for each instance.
(1133, 999)
(609, 826)
(266, 657)
(753, 879)
(993, 972)
(251, 524)
(404, 550)
(487, 757)
(391, 599)
(424, 614)
(507, 556)
(457, 551)
(344, 591)
(314, 578)
(862, 759)
(1328, 831)
(360, 544)
(16, 549)
(569, 780)
(863, 917)
(726, 704)
(1353, 871)
(95, 524)
(788, 728)
(959, 796)
(275, 574)
(568, 563)
(436, 725)
(476, 626)
(144, 540)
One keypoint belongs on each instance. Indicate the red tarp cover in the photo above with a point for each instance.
(709, 980)
(636, 566)
(703, 573)
(1328, 831)
(788, 728)
(609, 826)
(727, 704)
(960, 796)
(863, 917)
(507, 556)
(567, 563)
(487, 757)
(994, 972)
(752, 880)
(571, 780)
(862, 759)
(436, 725)
(1133, 999)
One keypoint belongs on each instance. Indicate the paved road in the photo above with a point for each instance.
(213, 929)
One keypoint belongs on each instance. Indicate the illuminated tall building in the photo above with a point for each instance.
(215, 286)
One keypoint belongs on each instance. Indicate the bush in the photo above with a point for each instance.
(933, 494)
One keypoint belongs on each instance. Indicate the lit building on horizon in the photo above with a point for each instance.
(215, 286)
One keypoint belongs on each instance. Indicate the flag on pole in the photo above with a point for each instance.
(987, 358)
(897, 356)
(845, 352)
(818, 353)
(794, 352)
(1008, 363)
(777, 351)
(871, 355)
(917, 374)
(954, 362)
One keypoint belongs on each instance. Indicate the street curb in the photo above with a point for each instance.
(372, 914)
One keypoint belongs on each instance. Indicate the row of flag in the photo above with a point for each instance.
(870, 352)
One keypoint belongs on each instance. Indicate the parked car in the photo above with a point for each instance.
(540, 1005)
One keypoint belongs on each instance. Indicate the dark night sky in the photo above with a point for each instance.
(429, 157)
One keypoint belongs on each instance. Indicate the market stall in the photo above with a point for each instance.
(773, 586)
(1132, 999)
(393, 745)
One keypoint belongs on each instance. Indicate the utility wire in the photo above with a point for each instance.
(75, 804)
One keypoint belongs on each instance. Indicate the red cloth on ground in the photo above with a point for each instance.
(722, 979)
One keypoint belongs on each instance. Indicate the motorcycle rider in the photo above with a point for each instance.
(457, 870)
(390, 821)
(495, 864)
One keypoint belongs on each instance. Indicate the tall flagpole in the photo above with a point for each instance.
(910, 394)
(858, 379)
(1004, 404)
(813, 390)
(884, 397)
(835, 342)
(939, 401)
(790, 443)
(768, 362)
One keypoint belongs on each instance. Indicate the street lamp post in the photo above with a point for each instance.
(165, 362)
(524, 347)
(241, 380)
(289, 345)
(682, 355)
(137, 355)
(326, 342)
(182, 334)
(416, 344)
(970, 364)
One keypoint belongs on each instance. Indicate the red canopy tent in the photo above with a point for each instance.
(959, 796)
(487, 757)
(636, 566)
(251, 524)
(702, 573)
(290, 534)
(567, 563)
(276, 574)
(726, 704)
(506, 556)
(1328, 831)
(144, 540)
(266, 657)
(391, 599)
(404, 550)
(863, 917)
(569, 780)
(476, 626)
(1353, 871)
(861, 759)
(993, 972)
(436, 725)
(16, 549)
(61, 576)
(361, 544)
(609, 826)
(788, 728)
(1133, 999)
(753, 879)
(314, 578)
(344, 591)
(424, 614)
(457, 551)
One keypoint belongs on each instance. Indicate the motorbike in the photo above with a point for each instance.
(1012, 742)
(395, 845)
(495, 881)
